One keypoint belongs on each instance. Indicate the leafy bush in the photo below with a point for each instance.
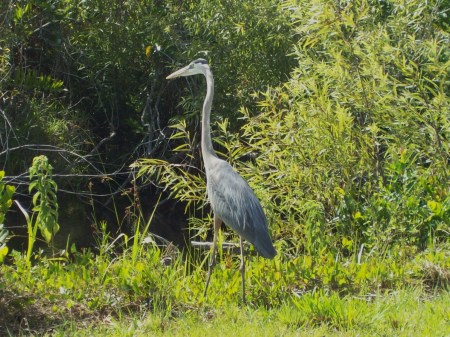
(355, 140)
(249, 44)
(351, 153)
(89, 77)
(37, 109)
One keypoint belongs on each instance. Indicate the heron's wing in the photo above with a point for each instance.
(235, 203)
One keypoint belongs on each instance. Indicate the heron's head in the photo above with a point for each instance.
(199, 66)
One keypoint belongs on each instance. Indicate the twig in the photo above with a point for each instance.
(228, 246)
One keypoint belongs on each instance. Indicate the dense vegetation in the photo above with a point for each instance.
(336, 112)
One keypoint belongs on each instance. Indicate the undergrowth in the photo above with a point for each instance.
(324, 290)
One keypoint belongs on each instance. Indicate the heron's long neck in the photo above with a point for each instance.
(207, 147)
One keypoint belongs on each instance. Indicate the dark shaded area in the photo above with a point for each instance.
(84, 84)
(22, 314)
(80, 221)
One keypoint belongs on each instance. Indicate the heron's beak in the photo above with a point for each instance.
(180, 72)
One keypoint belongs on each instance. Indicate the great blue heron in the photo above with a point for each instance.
(231, 199)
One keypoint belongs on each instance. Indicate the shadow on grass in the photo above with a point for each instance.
(24, 314)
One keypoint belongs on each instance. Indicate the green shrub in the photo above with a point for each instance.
(350, 155)
(353, 145)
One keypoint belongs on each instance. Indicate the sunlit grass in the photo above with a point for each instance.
(110, 294)
(402, 313)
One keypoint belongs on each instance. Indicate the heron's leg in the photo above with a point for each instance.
(212, 259)
(242, 268)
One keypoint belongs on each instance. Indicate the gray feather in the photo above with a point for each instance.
(235, 203)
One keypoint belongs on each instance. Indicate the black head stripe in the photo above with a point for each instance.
(201, 61)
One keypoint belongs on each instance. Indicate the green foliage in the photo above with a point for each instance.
(303, 292)
(45, 203)
(248, 43)
(181, 180)
(347, 150)
(3, 239)
(6, 194)
(36, 106)
(350, 155)
(352, 147)
(76, 74)
(32, 81)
